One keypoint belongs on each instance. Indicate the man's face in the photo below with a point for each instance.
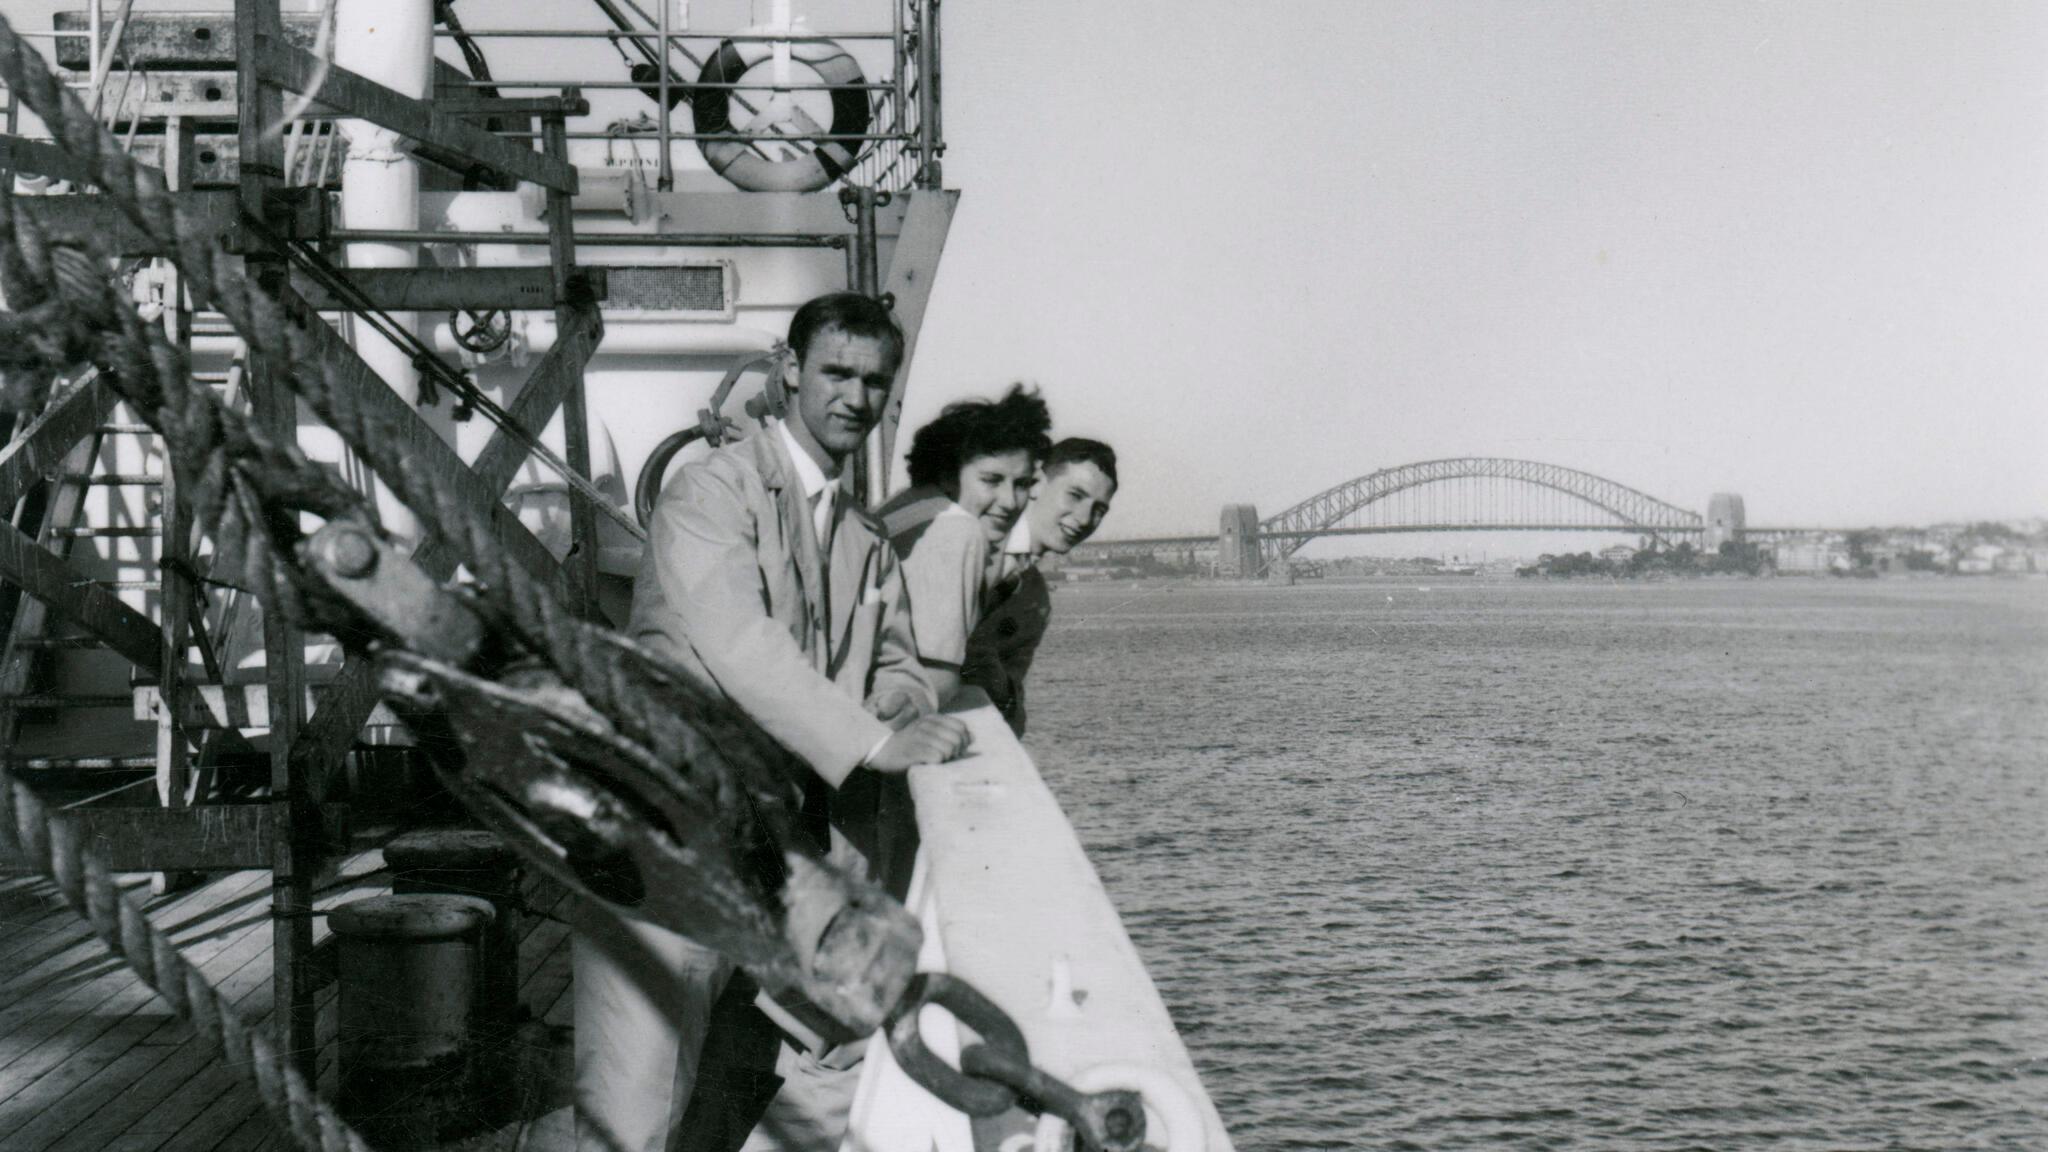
(841, 387)
(1070, 506)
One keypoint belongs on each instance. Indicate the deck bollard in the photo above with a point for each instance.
(470, 862)
(409, 985)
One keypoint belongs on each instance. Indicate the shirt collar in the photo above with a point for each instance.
(1018, 543)
(808, 474)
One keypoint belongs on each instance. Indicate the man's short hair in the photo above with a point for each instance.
(965, 429)
(848, 312)
(1076, 450)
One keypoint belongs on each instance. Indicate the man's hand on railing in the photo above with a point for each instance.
(926, 740)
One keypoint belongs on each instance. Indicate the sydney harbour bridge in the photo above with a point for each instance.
(1466, 494)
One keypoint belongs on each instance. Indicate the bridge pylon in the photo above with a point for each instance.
(1726, 520)
(1238, 555)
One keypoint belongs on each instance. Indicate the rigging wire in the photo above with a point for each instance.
(309, 260)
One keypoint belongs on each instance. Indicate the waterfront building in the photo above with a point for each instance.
(1810, 557)
(1982, 560)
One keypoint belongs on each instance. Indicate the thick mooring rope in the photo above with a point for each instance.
(248, 488)
(723, 764)
(66, 312)
(649, 704)
(48, 841)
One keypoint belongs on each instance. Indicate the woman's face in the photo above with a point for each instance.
(995, 489)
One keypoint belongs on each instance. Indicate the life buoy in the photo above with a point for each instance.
(711, 108)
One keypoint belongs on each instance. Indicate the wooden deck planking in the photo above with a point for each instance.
(193, 1074)
(115, 1061)
(66, 948)
(30, 980)
(39, 937)
(35, 936)
(220, 1116)
(544, 949)
(212, 1106)
(198, 1114)
(28, 912)
(67, 1001)
(105, 1102)
(65, 979)
(547, 989)
(256, 1134)
(81, 1058)
(113, 1070)
(36, 1094)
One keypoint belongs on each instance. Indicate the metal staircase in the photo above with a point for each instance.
(98, 708)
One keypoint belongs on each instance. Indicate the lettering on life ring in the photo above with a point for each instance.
(711, 108)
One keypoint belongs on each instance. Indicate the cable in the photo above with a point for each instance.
(309, 260)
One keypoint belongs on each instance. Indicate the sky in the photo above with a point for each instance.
(1795, 251)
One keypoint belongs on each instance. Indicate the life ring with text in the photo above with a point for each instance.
(711, 108)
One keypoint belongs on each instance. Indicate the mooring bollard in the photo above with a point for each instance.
(409, 986)
(470, 862)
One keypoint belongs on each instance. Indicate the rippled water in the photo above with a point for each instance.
(1515, 865)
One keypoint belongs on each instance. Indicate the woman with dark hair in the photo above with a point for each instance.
(971, 472)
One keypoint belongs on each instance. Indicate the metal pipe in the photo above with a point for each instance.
(92, 19)
(867, 278)
(666, 181)
(651, 34)
(735, 85)
(735, 137)
(623, 336)
(927, 102)
(898, 106)
(386, 41)
(105, 60)
(589, 239)
(933, 85)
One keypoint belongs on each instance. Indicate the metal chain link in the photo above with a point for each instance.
(996, 1074)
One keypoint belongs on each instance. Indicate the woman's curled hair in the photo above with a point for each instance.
(966, 429)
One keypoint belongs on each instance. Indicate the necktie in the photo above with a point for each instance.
(821, 526)
(821, 519)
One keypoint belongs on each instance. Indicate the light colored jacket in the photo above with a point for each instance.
(732, 589)
(945, 561)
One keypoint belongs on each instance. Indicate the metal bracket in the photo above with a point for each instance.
(389, 588)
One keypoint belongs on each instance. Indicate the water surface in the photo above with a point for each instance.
(1723, 865)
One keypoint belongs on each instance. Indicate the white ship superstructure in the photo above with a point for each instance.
(590, 222)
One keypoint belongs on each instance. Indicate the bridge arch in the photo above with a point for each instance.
(1627, 508)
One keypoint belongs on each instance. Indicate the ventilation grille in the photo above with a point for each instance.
(685, 291)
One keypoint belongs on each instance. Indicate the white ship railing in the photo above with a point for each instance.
(1010, 904)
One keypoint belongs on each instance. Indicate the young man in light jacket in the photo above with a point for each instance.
(762, 580)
